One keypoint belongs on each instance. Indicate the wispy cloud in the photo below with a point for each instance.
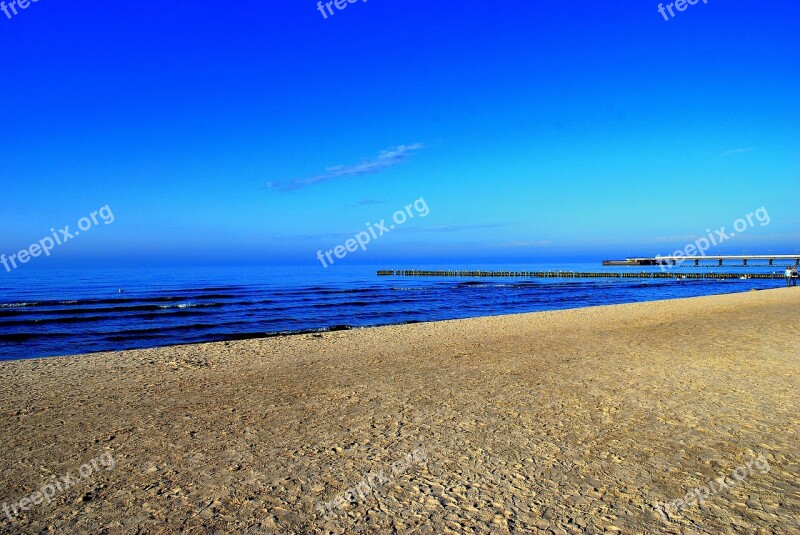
(386, 159)
(307, 237)
(455, 228)
(524, 244)
(674, 238)
(737, 151)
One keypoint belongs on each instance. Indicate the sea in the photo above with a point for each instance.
(46, 313)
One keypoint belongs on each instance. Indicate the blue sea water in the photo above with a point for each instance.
(49, 313)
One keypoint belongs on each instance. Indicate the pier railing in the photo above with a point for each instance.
(573, 274)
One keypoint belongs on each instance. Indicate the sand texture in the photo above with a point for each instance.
(576, 421)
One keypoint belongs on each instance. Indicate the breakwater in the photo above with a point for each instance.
(573, 274)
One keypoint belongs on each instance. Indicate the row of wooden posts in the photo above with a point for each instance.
(574, 274)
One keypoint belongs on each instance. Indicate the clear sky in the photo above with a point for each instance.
(260, 131)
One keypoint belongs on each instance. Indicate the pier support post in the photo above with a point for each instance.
(744, 262)
(696, 262)
(720, 262)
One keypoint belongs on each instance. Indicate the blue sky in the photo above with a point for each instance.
(260, 132)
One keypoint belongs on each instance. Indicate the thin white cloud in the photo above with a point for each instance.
(674, 238)
(737, 151)
(306, 237)
(454, 228)
(386, 159)
(524, 244)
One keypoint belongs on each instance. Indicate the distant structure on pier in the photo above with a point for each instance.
(666, 274)
(672, 260)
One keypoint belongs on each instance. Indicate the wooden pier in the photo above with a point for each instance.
(574, 274)
(697, 259)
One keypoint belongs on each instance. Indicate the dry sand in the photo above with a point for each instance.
(566, 422)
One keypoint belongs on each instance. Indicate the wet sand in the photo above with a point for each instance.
(580, 421)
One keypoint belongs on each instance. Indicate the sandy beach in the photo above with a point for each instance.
(579, 421)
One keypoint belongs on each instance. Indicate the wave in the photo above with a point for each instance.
(135, 303)
(23, 337)
(420, 289)
(318, 290)
(118, 300)
(38, 322)
(204, 289)
(105, 310)
(217, 336)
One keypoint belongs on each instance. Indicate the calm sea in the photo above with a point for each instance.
(48, 313)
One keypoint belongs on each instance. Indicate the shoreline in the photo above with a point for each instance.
(346, 327)
(582, 420)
